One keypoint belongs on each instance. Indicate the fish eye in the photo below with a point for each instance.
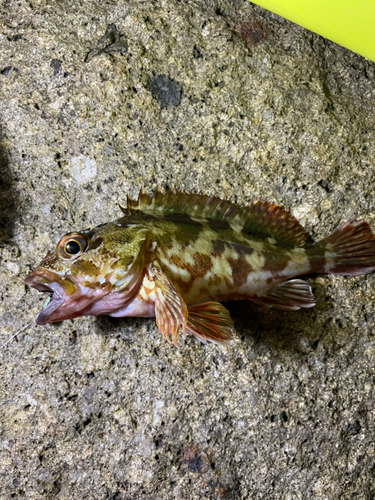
(72, 246)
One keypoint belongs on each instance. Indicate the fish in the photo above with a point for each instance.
(177, 256)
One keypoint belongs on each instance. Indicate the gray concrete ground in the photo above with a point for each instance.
(101, 98)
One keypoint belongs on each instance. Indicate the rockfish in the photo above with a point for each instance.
(176, 256)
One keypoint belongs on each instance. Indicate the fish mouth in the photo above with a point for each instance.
(58, 290)
(68, 298)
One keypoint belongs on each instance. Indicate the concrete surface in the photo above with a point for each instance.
(215, 97)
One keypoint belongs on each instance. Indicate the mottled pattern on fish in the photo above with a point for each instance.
(176, 256)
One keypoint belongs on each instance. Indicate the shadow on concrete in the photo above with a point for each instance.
(280, 330)
(8, 211)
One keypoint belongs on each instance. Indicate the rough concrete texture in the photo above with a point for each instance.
(215, 97)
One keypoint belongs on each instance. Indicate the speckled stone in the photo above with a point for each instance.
(106, 409)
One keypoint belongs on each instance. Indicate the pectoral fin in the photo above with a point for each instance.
(288, 296)
(170, 309)
(210, 322)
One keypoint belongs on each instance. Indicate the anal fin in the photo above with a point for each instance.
(210, 322)
(288, 296)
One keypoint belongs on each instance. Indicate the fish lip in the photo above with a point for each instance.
(43, 317)
(52, 284)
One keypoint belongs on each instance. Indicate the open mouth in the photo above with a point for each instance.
(67, 298)
(49, 284)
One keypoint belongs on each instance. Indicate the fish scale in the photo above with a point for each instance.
(176, 256)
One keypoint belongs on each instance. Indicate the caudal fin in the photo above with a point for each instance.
(350, 249)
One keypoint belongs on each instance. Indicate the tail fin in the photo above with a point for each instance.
(350, 249)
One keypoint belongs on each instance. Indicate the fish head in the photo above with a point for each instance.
(90, 272)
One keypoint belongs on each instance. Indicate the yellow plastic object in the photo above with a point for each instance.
(350, 23)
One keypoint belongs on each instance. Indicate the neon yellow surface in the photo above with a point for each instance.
(350, 23)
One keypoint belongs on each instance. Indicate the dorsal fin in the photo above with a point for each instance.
(259, 216)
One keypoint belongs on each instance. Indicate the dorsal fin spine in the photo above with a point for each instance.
(259, 216)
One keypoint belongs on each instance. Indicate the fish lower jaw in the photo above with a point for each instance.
(84, 302)
(44, 316)
(54, 300)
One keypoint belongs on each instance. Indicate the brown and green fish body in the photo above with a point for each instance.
(177, 256)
